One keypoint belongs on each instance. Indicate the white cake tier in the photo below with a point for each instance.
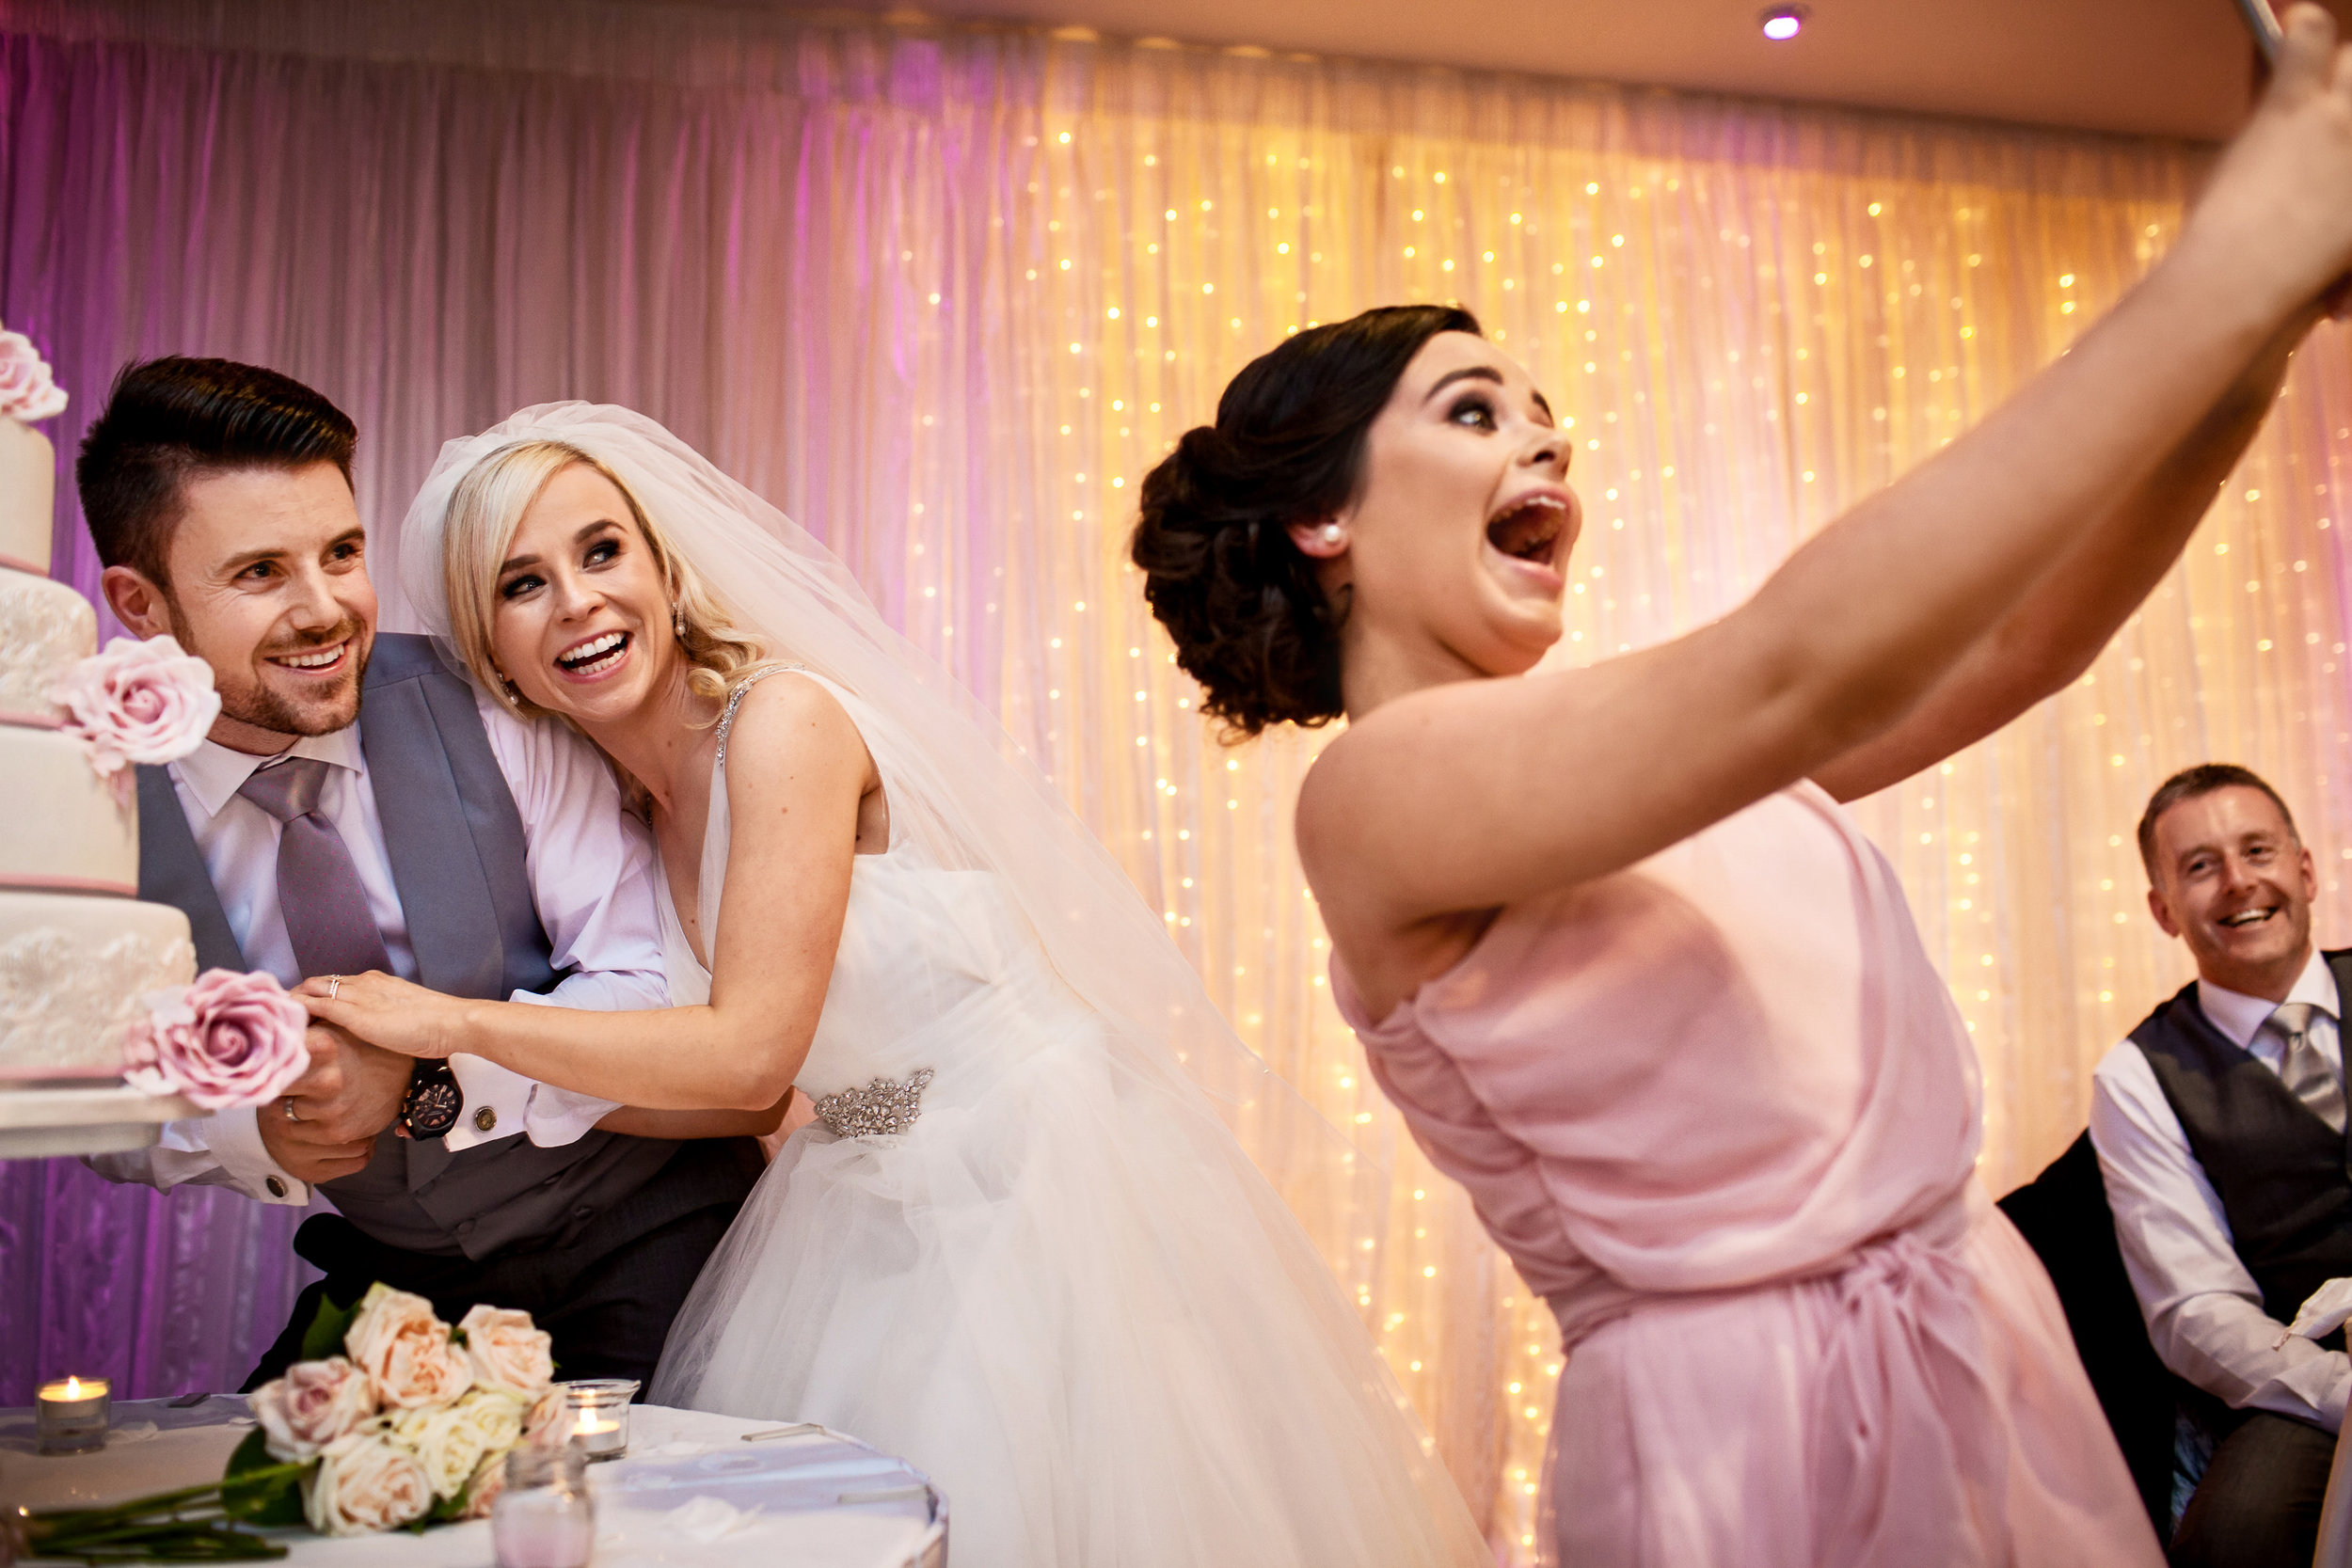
(73, 970)
(62, 828)
(42, 1122)
(28, 484)
(44, 626)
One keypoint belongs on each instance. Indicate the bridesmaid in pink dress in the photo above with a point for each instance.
(1616, 951)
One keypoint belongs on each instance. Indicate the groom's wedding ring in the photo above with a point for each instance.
(288, 1103)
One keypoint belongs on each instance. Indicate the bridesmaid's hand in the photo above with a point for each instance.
(386, 1012)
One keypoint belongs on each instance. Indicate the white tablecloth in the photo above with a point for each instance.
(816, 1500)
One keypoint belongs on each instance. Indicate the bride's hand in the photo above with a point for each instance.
(384, 1010)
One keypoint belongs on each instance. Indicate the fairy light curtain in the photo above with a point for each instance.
(947, 295)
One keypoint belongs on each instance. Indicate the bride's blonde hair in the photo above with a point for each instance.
(484, 511)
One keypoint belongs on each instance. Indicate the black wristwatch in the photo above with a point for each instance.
(433, 1101)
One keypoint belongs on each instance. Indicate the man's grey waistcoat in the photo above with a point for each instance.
(2283, 1176)
(455, 843)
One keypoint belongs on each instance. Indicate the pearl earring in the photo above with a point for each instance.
(1330, 533)
(677, 621)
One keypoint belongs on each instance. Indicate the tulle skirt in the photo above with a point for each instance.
(1067, 1296)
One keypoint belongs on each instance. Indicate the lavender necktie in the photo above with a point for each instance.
(318, 890)
(2304, 1069)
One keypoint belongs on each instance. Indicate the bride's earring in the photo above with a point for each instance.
(514, 692)
(677, 621)
(1331, 535)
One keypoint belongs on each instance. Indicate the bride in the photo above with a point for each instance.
(1020, 1244)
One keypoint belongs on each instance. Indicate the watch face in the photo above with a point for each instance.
(432, 1106)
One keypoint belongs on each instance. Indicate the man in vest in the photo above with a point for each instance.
(356, 806)
(2219, 1125)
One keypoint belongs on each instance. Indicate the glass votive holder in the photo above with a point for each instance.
(72, 1414)
(600, 1414)
(544, 1517)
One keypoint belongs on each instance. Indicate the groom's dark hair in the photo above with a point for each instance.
(169, 420)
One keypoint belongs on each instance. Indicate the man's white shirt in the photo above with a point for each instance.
(2204, 1312)
(590, 867)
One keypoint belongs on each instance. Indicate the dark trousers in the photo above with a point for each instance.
(2258, 1506)
(607, 1306)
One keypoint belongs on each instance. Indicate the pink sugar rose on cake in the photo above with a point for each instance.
(27, 392)
(314, 1406)
(137, 702)
(405, 1351)
(227, 1040)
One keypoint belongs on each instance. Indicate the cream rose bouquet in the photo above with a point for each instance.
(393, 1420)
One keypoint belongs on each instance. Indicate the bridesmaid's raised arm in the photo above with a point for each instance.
(1447, 795)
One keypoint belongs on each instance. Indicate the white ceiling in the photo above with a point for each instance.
(2171, 68)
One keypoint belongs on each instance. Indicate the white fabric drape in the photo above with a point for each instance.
(945, 295)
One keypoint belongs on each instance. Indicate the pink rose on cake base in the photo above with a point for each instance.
(230, 1039)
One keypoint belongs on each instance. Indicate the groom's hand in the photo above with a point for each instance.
(351, 1092)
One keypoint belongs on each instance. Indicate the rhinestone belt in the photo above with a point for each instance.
(884, 1106)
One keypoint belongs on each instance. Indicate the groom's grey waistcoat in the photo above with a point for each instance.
(455, 843)
(2283, 1176)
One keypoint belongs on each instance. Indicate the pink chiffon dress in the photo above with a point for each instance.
(1720, 1112)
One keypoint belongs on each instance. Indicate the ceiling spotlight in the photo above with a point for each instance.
(1782, 22)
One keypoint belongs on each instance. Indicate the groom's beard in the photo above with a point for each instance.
(250, 700)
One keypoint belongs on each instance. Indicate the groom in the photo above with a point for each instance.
(437, 838)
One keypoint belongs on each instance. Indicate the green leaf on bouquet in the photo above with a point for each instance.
(251, 1455)
(273, 1496)
(328, 1324)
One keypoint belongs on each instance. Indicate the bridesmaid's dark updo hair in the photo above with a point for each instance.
(1250, 622)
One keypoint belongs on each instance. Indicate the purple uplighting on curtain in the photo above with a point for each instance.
(162, 1293)
(431, 248)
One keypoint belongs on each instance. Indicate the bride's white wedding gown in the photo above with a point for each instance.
(1050, 1283)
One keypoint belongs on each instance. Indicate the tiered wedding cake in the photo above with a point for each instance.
(77, 951)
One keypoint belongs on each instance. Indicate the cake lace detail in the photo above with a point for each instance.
(40, 633)
(734, 700)
(65, 1002)
(882, 1108)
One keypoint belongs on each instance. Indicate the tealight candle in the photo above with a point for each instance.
(72, 1414)
(545, 1517)
(599, 1408)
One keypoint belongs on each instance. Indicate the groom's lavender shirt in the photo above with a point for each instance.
(552, 842)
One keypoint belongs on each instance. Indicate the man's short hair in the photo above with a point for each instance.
(169, 420)
(2190, 783)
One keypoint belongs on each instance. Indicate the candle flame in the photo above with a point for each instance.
(73, 1387)
(587, 1420)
